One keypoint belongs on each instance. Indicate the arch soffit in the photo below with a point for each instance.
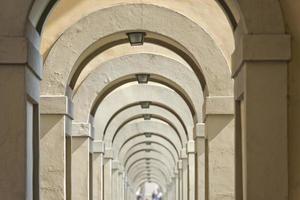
(154, 171)
(139, 153)
(81, 39)
(142, 139)
(156, 118)
(142, 166)
(141, 127)
(163, 143)
(154, 110)
(155, 174)
(137, 93)
(162, 69)
(155, 163)
(154, 147)
(151, 154)
(144, 159)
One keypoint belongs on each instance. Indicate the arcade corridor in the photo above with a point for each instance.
(149, 100)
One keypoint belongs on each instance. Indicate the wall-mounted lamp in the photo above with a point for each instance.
(147, 116)
(136, 38)
(142, 78)
(148, 135)
(148, 143)
(147, 150)
(145, 104)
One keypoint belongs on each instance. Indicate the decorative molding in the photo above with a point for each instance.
(115, 165)
(23, 50)
(180, 165)
(199, 131)
(183, 153)
(218, 105)
(262, 47)
(56, 105)
(190, 147)
(109, 154)
(98, 146)
(82, 130)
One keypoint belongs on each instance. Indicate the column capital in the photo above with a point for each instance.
(82, 130)
(261, 47)
(218, 105)
(59, 105)
(115, 164)
(190, 147)
(23, 50)
(109, 153)
(98, 146)
(199, 131)
(180, 165)
(183, 153)
(176, 172)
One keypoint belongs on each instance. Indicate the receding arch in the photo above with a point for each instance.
(141, 127)
(137, 94)
(156, 163)
(154, 110)
(123, 151)
(118, 71)
(149, 157)
(154, 138)
(153, 147)
(157, 174)
(196, 43)
(136, 118)
(151, 154)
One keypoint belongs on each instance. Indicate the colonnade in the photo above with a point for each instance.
(180, 121)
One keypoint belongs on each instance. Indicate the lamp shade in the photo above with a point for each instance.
(147, 116)
(142, 78)
(148, 135)
(145, 104)
(136, 38)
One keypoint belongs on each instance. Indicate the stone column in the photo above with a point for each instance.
(201, 164)
(177, 185)
(121, 183)
(56, 120)
(20, 75)
(174, 188)
(219, 127)
(185, 174)
(98, 153)
(180, 175)
(191, 167)
(260, 74)
(115, 179)
(126, 188)
(107, 185)
(81, 133)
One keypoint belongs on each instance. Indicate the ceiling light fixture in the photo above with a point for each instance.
(148, 135)
(142, 78)
(145, 104)
(147, 116)
(136, 38)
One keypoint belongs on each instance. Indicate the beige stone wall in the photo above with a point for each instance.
(292, 17)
